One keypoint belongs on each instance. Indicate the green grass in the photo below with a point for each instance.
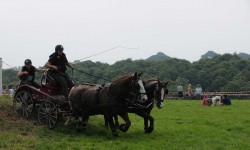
(179, 125)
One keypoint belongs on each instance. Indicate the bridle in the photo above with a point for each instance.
(135, 95)
(155, 99)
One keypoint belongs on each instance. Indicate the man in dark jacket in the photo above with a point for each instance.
(226, 100)
(27, 74)
(57, 63)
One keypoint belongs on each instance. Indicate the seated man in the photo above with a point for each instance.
(27, 74)
(226, 100)
(57, 63)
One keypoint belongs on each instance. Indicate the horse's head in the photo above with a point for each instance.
(157, 89)
(138, 88)
(130, 85)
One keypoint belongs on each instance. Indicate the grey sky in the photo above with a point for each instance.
(180, 28)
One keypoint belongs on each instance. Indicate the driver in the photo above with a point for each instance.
(57, 63)
(27, 74)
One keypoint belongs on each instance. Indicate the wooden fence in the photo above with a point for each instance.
(232, 95)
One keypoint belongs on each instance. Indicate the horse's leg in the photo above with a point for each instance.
(145, 123)
(109, 117)
(85, 119)
(116, 121)
(125, 117)
(106, 122)
(151, 126)
(146, 117)
(76, 113)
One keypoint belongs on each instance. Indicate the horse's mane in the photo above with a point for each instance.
(151, 80)
(116, 80)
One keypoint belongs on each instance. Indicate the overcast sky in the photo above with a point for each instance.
(184, 29)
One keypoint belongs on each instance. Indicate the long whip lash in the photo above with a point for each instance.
(107, 51)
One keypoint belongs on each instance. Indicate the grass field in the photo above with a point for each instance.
(179, 125)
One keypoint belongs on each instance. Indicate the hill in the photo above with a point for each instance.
(158, 57)
(209, 54)
(244, 55)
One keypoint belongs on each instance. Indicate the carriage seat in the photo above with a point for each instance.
(49, 84)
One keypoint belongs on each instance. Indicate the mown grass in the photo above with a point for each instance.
(181, 124)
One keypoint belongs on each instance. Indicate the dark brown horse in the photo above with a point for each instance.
(87, 100)
(155, 90)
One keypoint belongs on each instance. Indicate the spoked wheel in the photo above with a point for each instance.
(23, 104)
(48, 114)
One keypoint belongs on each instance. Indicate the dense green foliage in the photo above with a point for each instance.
(221, 73)
(179, 125)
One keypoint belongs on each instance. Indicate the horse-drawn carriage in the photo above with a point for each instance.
(126, 94)
(47, 99)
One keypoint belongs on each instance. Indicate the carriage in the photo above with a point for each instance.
(50, 105)
(46, 101)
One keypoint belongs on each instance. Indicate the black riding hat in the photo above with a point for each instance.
(27, 62)
(59, 48)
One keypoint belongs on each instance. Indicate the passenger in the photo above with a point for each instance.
(27, 74)
(57, 63)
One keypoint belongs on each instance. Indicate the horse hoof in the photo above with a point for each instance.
(78, 129)
(149, 130)
(117, 124)
(123, 128)
(115, 134)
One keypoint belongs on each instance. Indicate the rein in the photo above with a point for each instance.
(91, 75)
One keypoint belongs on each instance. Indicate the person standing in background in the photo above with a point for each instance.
(180, 91)
(190, 91)
(198, 92)
(11, 90)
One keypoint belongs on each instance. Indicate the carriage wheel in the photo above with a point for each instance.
(23, 104)
(48, 114)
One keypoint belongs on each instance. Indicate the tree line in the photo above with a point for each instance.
(226, 72)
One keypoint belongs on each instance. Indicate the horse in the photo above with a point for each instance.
(109, 100)
(155, 90)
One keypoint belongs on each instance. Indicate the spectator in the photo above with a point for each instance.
(204, 101)
(226, 100)
(190, 91)
(209, 101)
(180, 91)
(198, 92)
(11, 90)
(216, 100)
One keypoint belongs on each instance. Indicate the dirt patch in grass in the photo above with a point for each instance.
(11, 121)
